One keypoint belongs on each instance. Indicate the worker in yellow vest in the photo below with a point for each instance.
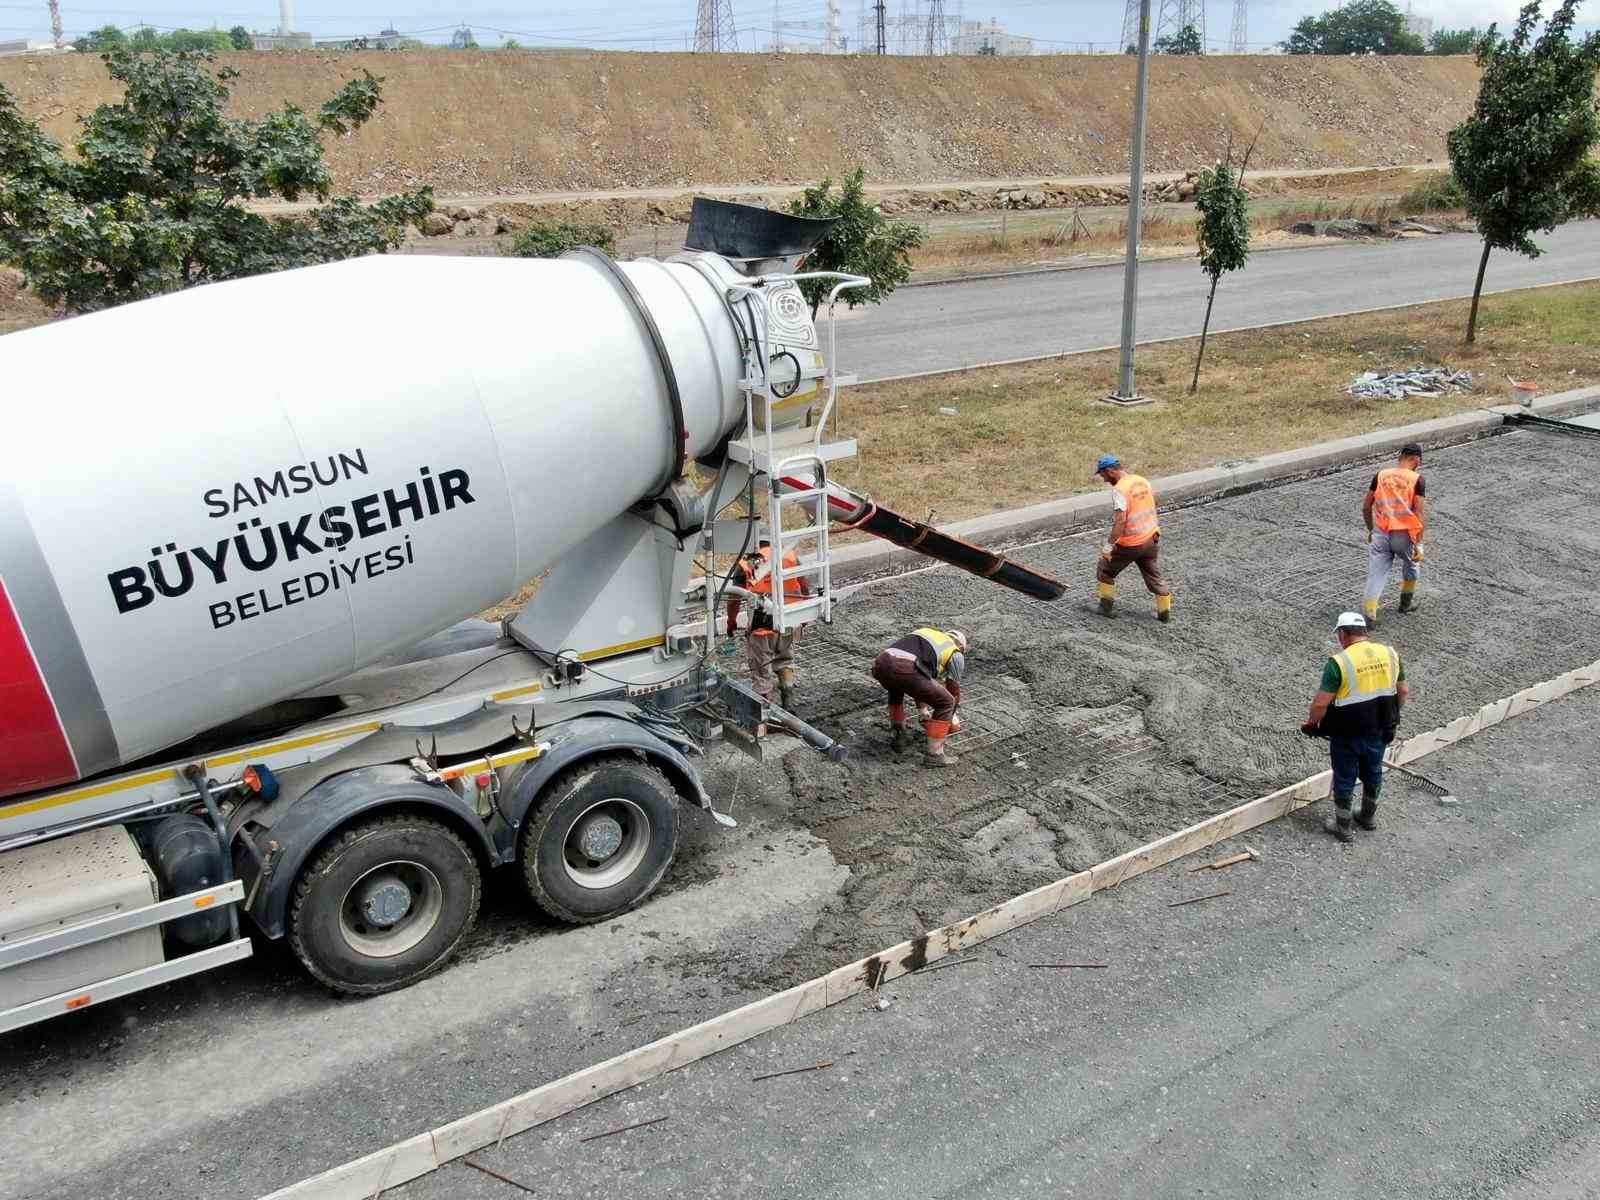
(927, 665)
(1135, 537)
(1357, 708)
(1395, 513)
(769, 655)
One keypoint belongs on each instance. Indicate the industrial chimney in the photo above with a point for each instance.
(285, 17)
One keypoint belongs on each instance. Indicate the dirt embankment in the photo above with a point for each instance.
(514, 121)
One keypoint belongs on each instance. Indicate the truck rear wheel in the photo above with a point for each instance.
(383, 904)
(599, 838)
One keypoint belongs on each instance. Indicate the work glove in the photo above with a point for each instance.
(1107, 551)
(1416, 553)
(1311, 729)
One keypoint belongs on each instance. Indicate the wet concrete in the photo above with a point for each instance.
(1086, 737)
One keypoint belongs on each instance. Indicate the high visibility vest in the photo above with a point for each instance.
(1366, 703)
(761, 578)
(1393, 499)
(1368, 671)
(1140, 524)
(944, 649)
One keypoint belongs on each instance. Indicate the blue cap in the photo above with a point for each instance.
(1107, 460)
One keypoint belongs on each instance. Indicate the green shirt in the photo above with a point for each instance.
(1333, 677)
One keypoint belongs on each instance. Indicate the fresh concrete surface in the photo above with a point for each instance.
(1408, 1017)
(972, 323)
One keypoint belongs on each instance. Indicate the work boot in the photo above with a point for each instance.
(1339, 825)
(1408, 602)
(1108, 608)
(786, 696)
(1367, 818)
(941, 758)
(899, 739)
(1163, 609)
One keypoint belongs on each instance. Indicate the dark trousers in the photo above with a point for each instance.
(1356, 758)
(1145, 557)
(900, 678)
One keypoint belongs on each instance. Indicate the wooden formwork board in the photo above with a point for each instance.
(368, 1177)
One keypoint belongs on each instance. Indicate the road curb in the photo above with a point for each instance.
(1063, 517)
(372, 1175)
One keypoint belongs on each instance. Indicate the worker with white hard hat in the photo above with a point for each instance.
(1357, 708)
(927, 665)
(1135, 537)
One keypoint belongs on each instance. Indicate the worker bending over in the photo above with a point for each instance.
(1135, 537)
(926, 665)
(1395, 516)
(768, 653)
(1357, 708)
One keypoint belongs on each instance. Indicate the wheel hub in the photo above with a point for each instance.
(384, 900)
(599, 837)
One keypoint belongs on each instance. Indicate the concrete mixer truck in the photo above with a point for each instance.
(243, 533)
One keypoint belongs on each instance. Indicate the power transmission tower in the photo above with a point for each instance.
(1178, 15)
(55, 25)
(713, 27)
(1239, 43)
(881, 11)
(938, 40)
(1130, 26)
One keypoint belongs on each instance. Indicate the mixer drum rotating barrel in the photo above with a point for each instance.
(221, 498)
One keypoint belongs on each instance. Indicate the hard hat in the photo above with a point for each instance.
(959, 638)
(1105, 462)
(1351, 620)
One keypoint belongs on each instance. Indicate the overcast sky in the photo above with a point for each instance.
(665, 24)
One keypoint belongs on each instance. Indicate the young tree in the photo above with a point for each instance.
(863, 242)
(1185, 41)
(1455, 41)
(1223, 233)
(1360, 27)
(154, 199)
(1523, 156)
(107, 37)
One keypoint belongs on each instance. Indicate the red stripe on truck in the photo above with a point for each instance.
(33, 746)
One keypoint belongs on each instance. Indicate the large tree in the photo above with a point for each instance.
(1360, 27)
(1522, 158)
(156, 197)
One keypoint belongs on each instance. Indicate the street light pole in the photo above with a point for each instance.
(1126, 392)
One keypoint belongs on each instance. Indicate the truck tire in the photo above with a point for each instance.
(599, 838)
(384, 903)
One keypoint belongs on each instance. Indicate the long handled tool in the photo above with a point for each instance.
(1438, 789)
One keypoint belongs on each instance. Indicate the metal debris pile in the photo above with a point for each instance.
(1419, 381)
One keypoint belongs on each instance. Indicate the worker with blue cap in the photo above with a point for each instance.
(1135, 537)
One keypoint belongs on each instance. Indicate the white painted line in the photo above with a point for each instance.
(364, 1178)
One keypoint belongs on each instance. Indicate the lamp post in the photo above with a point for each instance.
(1127, 393)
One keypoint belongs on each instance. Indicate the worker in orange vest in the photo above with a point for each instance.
(1396, 516)
(1134, 539)
(768, 653)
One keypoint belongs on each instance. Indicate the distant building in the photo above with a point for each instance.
(281, 41)
(384, 39)
(987, 37)
(30, 46)
(1421, 26)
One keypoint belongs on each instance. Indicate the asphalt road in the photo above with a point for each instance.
(947, 326)
(1408, 1017)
